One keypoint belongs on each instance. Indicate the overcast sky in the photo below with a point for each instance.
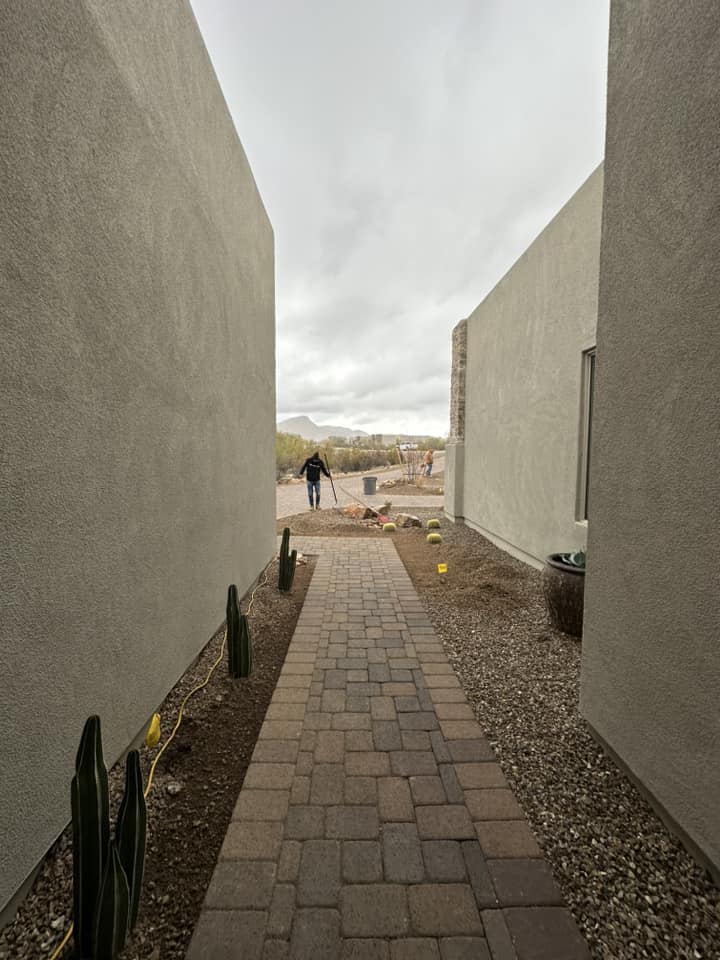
(407, 152)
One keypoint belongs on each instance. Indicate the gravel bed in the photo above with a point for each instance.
(631, 886)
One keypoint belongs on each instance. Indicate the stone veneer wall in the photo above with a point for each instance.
(455, 448)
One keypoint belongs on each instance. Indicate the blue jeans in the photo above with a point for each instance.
(313, 485)
(428, 469)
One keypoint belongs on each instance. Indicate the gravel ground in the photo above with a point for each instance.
(633, 889)
(203, 768)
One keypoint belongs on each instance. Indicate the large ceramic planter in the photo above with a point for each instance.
(564, 590)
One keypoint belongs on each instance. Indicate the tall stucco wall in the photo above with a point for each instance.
(137, 383)
(651, 653)
(523, 386)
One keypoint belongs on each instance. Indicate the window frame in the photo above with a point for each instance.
(588, 381)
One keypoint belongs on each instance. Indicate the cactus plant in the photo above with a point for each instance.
(131, 831)
(434, 538)
(111, 922)
(288, 562)
(91, 832)
(232, 618)
(433, 524)
(245, 647)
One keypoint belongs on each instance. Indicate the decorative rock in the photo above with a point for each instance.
(357, 511)
(407, 520)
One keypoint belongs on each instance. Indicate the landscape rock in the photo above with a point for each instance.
(407, 520)
(357, 511)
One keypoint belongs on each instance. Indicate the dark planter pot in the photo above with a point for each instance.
(564, 590)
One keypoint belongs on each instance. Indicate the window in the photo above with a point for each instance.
(586, 415)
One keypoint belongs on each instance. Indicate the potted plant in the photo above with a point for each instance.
(563, 580)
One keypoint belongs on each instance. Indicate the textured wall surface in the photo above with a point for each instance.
(523, 386)
(137, 383)
(651, 649)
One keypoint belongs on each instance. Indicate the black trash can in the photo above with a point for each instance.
(369, 485)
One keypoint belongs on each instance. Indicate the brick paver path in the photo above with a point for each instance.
(374, 822)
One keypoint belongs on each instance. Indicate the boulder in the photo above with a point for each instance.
(407, 520)
(357, 511)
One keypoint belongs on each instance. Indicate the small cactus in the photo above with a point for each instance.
(389, 528)
(131, 831)
(288, 562)
(111, 923)
(433, 524)
(91, 832)
(232, 620)
(434, 538)
(241, 655)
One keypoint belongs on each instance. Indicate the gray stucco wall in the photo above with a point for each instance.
(651, 654)
(523, 387)
(137, 381)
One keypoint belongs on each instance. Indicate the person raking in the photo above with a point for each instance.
(313, 465)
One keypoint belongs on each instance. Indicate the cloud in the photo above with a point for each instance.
(407, 153)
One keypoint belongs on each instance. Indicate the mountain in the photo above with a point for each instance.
(305, 428)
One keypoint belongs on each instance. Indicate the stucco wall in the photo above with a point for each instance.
(137, 380)
(522, 386)
(651, 654)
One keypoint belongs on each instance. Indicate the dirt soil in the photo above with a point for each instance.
(328, 523)
(206, 763)
(432, 486)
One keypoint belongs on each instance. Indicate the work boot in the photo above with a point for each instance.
(312, 507)
(317, 506)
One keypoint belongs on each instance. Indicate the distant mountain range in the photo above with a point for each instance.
(304, 427)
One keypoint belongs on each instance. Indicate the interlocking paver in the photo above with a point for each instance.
(402, 853)
(282, 909)
(495, 804)
(415, 948)
(352, 823)
(365, 950)
(464, 948)
(443, 822)
(374, 822)
(443, 910)
(361, 861)
(233, 935)
(545, 933)
(241, 885)
(319, 878)
(524, 883)
(394, 799)
(261, 842)
(474, 776)
(374, 910)
(315, 935)
(413, 763)
(444, 861)
(427, 790)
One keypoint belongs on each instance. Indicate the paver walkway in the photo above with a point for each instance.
(374, 822)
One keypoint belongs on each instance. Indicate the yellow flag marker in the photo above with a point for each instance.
(442, 568)
(152, 737)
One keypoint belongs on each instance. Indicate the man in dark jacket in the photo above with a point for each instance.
(313, 465)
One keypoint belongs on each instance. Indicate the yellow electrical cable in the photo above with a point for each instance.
(167, 743)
